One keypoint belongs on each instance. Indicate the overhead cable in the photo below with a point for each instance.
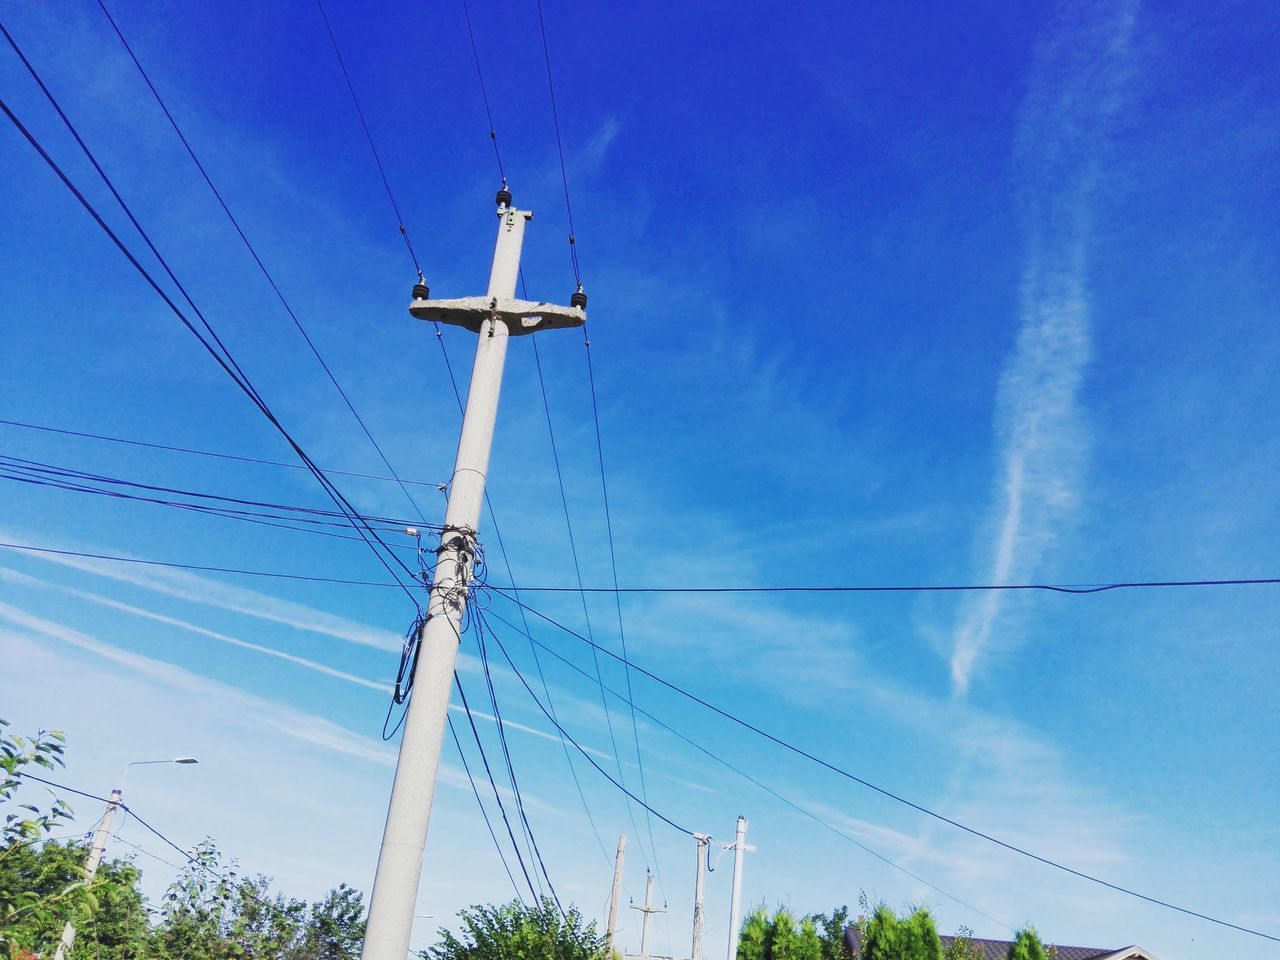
(453, 732)
(191, 860)
(342, 64)
(1072, 588)
(564, 173)
(308, 514)
(746, 776)
(493, 519)
(210, 453)
(973, 831)
(556, 723)
(511, 770)
(200, 567)
(586, 612)
(221, 355)
(475, 733)
(257, 259)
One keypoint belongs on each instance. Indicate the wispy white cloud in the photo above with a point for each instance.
(14, 576)
(1073, 93)
(294, 723)
(185, 585)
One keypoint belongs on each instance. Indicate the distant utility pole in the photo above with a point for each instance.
(735, 910)
(100, 837)
(494, 318)
(699, 882)
(616, 894)
(648, 910)
(90, 869)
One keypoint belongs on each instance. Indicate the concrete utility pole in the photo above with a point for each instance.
(90, 869)
(735, 910)
(100, 836)
(648, 910)
(617, 893)
(494, 317)
(699, 882)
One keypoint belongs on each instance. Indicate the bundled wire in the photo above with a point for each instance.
(480, 630)
(582, 750)
(212, 343)
(919, 808)
(258, 260)
(84, 481)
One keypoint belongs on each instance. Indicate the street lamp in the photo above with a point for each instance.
(100, 836)
(137, 763)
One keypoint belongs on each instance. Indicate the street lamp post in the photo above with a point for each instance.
(100, 835)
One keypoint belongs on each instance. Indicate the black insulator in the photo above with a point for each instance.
(579, 299)
(504, 197)
(421, 291)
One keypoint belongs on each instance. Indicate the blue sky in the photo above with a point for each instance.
(915, 295)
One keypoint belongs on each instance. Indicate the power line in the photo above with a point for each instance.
(308, 514)
(799, 751)
(603, 772)
(203, 568)
(613, 567)
(497, 530)
(270, 574)
(342, 64)
(244, 516)
(208, 453)
(586, 613)
(457, 682)
(1070, 588)
(577, 276)
(257, 259)
(742, 773)
(511, 770)
(564, 174)
(483, 812)
(484, 93)
(191, 860)
(224, 358)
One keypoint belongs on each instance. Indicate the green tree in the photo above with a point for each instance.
(1027, 946)
(335, 928)
(784, 937)
(919, 937)
(880, 937)
(781, 937)
(754, 940)
(887, 936)
(42, 883)
(515, 930)
(110, 918)
(962, 947)
(831, 932)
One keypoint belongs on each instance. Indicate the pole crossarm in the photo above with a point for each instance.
(519, 316)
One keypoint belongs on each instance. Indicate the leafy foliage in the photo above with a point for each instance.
(753, 941)
(514, 930)
(962, 947)
(781, 937)
(1027, 946)
(831, 933)
(209, 912)
(912, 936)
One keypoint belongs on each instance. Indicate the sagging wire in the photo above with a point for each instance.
(581, 749)
(506, 753)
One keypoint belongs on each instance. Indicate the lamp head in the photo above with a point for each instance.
(186, 760)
